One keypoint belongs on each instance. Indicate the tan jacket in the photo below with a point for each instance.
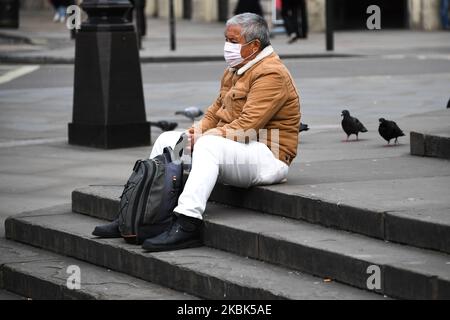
(260, 95)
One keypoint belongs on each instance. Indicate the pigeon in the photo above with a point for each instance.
(191, 113)
(448, 104)
(303, 127)
(389, 130)
(164, 125)
(352, 125)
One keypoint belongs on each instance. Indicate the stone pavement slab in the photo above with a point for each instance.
(37, 274)
(6, 295)
(207, 272)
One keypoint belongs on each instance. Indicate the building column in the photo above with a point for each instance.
(424, 14)
(163, 8)
(205, 10)
(316, 15)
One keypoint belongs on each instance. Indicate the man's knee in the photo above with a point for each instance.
(169, 137)
(165, 139)
(209, 142)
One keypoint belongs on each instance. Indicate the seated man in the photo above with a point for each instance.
(248, 136)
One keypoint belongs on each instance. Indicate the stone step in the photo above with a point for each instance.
(37, 274)
(427, 228)
(407, 272)
(6, 295)
(435, 145)
(204, 272)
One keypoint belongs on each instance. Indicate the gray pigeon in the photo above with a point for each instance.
(191, 113)
(389, 130)
(303, 127)
(351, 125)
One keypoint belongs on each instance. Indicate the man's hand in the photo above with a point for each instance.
(191, 138)
(213, 132)
(194, 135)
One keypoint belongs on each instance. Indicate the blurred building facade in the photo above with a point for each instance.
(348, 14)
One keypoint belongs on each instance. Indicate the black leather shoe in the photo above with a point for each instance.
(108, 231)
(185, 232)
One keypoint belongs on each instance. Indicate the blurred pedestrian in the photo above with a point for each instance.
(251, 6)
(444, 14)
(140, 16)
(60, 7)
(295, 17)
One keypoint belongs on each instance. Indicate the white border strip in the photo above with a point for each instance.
(17, 73)
(30, 142)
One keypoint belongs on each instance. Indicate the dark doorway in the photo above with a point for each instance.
(187, 9)
(351, 14)
(222, 10)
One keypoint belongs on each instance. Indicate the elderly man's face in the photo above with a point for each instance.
(233, 35)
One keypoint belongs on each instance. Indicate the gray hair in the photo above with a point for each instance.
(254, 27)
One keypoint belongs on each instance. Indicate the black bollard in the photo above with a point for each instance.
(329, 25)
(173, 41)
(108, 105)
(9, 14)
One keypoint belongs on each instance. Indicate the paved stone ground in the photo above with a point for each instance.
(5, 295)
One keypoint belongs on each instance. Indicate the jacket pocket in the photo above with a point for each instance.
(238, 94)
(237, 101)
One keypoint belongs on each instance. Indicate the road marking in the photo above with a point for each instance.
(325, 126)
(17, 73)
(30, 142)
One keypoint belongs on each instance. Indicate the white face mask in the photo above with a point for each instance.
(232, 53)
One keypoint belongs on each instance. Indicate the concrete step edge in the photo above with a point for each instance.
(102, 202)
(430, 145)
(204, 272)
(345, 257)
(40, 275)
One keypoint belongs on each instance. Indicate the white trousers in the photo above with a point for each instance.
(216, 158)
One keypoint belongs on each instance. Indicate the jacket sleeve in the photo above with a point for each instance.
(267, 95)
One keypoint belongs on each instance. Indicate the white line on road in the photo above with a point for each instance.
(325, 126)
(30, 142)
(19, 72)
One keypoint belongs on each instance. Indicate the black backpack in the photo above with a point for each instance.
(150, 195)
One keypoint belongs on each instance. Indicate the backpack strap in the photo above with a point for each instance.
(179, 147)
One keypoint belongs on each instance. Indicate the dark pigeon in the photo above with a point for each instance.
(389, 130)
(191, 113)
(351, 125)
(303, 127)
(448, 104)
(165, 125)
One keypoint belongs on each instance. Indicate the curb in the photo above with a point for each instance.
(16, 38)
(46, 60)
(430, 145)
